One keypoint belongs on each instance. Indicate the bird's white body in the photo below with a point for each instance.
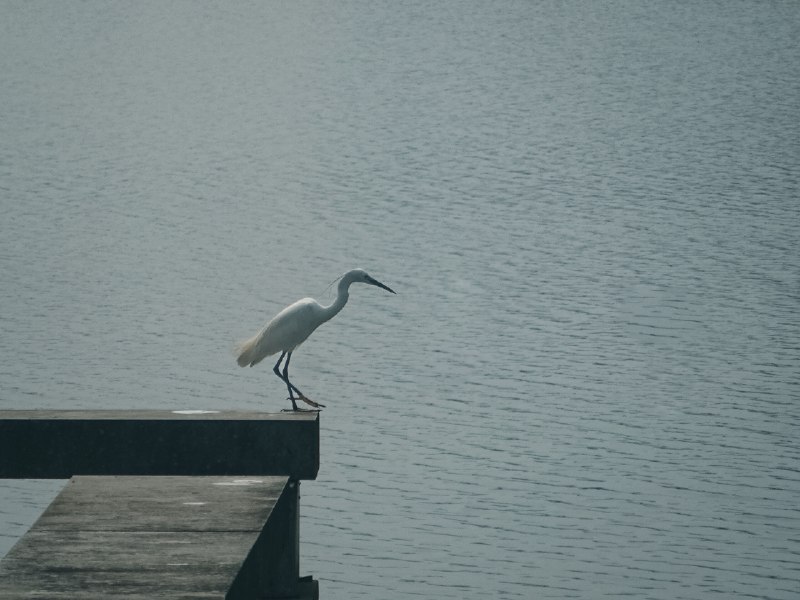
(285, 331)
(292, 326)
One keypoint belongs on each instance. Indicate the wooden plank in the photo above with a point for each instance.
(163, 504)
(71, 564)
(165, 537)
(59, 444)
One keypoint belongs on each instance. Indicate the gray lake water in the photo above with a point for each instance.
(588, 384)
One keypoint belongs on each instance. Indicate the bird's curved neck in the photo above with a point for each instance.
(342, 295)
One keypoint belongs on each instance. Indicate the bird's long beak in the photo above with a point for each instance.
(380, 285)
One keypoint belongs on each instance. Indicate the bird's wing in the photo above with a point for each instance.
(290, 327)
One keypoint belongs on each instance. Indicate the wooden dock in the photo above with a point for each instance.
(139, 526)
(49, 444)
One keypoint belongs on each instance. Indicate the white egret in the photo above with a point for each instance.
(292, 326)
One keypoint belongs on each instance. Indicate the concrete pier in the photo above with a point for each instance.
(161, 504)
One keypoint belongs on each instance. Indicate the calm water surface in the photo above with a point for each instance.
(588, 384)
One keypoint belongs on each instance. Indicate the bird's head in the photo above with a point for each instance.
(361, 276)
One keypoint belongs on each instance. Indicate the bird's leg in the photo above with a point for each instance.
(300, 395)
(283, 377)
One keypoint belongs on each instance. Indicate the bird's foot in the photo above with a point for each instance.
(316, 405)
(310, 402)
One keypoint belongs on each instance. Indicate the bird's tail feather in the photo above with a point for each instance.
(245, 351)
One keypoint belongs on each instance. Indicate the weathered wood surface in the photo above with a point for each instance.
(161, 537)
(59, 444)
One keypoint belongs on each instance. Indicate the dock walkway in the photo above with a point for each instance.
(228, 529)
